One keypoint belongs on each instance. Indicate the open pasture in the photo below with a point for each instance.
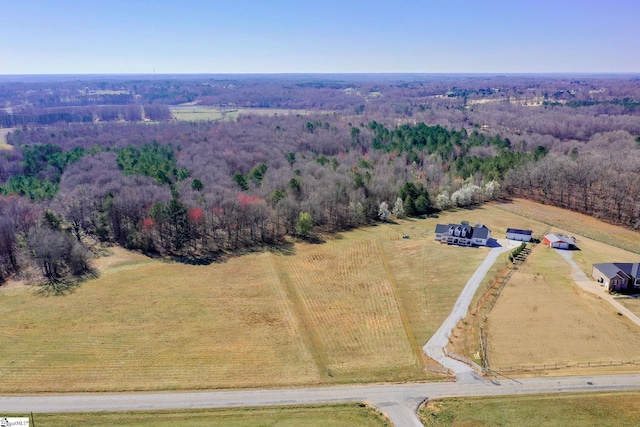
(562, 410)
(329, 313)
(542, 317)
(350, 314)
(356, 308)
(151, 325)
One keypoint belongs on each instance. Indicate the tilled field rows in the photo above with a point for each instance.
(348, 297)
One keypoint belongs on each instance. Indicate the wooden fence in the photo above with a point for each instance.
(564, 365)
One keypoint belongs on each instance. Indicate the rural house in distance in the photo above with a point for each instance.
(463, 234)
(559, 241)
(617, 276)
(519, 235)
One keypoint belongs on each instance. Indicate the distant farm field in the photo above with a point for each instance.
(341, 415)
(562, 410)
(205, 113)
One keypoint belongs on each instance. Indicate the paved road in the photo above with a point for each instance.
(591, 286)
(399, 401)
(434, 348)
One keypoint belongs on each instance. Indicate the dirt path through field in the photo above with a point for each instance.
(434, 348)
(588, 285)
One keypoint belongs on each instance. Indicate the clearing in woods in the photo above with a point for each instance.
(3, 138)
(205, 113)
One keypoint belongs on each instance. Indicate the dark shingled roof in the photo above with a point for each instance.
(481, 232)
(518, 231)
(611, 269)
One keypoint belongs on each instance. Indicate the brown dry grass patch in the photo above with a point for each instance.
(330, 313)
(148, 325)
(549, 410)
(543, 317)
(632, 304)
(355, 321)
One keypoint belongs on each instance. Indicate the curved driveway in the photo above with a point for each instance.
(434, 348)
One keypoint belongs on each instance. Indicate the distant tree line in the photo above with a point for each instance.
(86, 114)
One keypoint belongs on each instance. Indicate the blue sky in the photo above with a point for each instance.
(321, 36)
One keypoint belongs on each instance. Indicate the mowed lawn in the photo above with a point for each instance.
(550, 410)
(341, 415)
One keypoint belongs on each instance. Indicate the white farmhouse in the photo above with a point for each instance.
(463, 234)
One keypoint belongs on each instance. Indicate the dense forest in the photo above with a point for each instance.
(103, 161)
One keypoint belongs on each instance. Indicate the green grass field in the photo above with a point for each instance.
(198, 113)
(342, 415)
(549, 410)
